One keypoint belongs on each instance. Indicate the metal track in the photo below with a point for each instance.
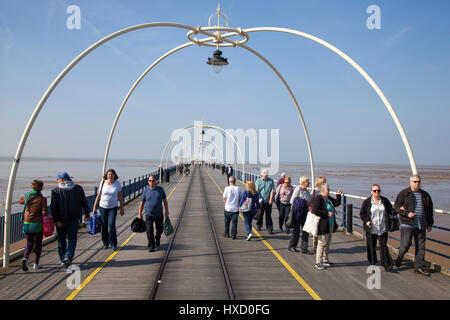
(219, 251)
(166, 255)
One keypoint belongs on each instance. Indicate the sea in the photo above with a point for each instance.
(354, 179)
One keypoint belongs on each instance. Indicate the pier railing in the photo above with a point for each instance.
(130, 191)
(346, 214)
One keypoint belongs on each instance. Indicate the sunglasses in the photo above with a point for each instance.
(151, 180)
(378, 190)
(416, 181)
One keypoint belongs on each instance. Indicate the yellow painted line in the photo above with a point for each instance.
(297, 277)
(93, 274)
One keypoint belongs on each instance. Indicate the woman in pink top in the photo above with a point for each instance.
(284, 192)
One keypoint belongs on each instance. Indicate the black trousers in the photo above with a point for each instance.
(159, 223)
(296, 236)
(267, 210)
(371, 240)
(406, 235)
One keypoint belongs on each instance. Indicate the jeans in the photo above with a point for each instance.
(284, 213)
(159, 223)
(371, 240)
(267, 209)
(33, 240)
(231, 217)
(109, 237)
(248, 218)
(69, 231)
(406, 235)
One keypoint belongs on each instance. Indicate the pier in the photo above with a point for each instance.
(197, 263)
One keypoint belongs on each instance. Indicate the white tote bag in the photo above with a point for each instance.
(311, 224)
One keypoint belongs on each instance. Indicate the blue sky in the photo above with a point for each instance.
(408, 58)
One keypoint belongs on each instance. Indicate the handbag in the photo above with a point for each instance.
(394, 223)
(95, 224)
(168, 228)
(291, 220)
(311, 224)
(138, 225)
(48, 225)
(246, 206)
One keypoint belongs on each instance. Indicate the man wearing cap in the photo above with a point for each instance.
(67, 204)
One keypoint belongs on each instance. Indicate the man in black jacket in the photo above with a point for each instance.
(68, 201)
(230, 173)
(415, 210)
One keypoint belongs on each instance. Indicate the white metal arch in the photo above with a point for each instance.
(171, 143)
(372, 83)
(225, 133)
(216, 147)
(220, 37)
(199, 42)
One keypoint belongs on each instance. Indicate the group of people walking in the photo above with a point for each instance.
(413, 206)
(69, 204)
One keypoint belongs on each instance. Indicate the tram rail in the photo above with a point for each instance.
(195, 175)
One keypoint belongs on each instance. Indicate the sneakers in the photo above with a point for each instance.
(249, 236)
(293, 249)
(37, 266)
(25, 264)
(328, 264)
(422, 272)
(307, 252)
(105, 247)
(319, 266)
(152, 249)
(66, 263)
(115, 248)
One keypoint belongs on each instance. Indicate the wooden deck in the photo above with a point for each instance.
(260, 269)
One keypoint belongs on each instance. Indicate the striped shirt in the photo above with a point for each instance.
(419, 221)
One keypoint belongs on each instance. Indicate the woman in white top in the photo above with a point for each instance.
(109, 195)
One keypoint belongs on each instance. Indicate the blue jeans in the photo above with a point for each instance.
(248, 218)
(69, 231)
(109, 223)
(284, 213)
(233, 218)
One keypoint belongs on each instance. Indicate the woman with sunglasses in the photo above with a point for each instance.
(285, 191)
(109, 196)
(375, 213)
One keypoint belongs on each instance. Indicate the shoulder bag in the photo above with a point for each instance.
(246, 205)
(311, 224)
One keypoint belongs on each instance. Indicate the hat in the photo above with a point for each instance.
(64, 176)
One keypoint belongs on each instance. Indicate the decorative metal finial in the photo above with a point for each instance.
(219, 16)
